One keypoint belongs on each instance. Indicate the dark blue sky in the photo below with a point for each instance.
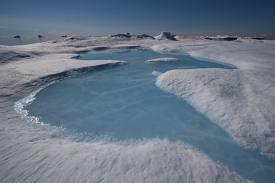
(99, 17)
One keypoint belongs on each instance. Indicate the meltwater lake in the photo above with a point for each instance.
(123, 104)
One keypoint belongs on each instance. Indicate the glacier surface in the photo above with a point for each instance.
(240, 100)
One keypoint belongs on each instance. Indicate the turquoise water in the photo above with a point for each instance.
(123, 103)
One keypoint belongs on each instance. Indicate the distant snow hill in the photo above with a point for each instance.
(166, 35)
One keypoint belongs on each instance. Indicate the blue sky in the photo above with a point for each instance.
(99, 17)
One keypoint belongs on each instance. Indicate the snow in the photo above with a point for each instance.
(165, 59)
(55, 63)
(221, 38)
(166, 35)
(240, 100)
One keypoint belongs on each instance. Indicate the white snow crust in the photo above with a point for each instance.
(241, 101)
(164, 59)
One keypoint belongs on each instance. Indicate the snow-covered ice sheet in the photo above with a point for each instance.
(241, 101)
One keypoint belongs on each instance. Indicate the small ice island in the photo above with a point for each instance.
(237, 104)
(165, 59)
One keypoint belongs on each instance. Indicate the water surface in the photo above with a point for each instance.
(123, 103)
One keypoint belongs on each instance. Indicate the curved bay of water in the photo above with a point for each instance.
(123, 103)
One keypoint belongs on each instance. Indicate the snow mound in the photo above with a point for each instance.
(227, 99)
(7, 56)
(156, 161)
(221, 38)
(75, 38)
(164, 59)
(144, 36)
(166, 35)
(127, 36)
